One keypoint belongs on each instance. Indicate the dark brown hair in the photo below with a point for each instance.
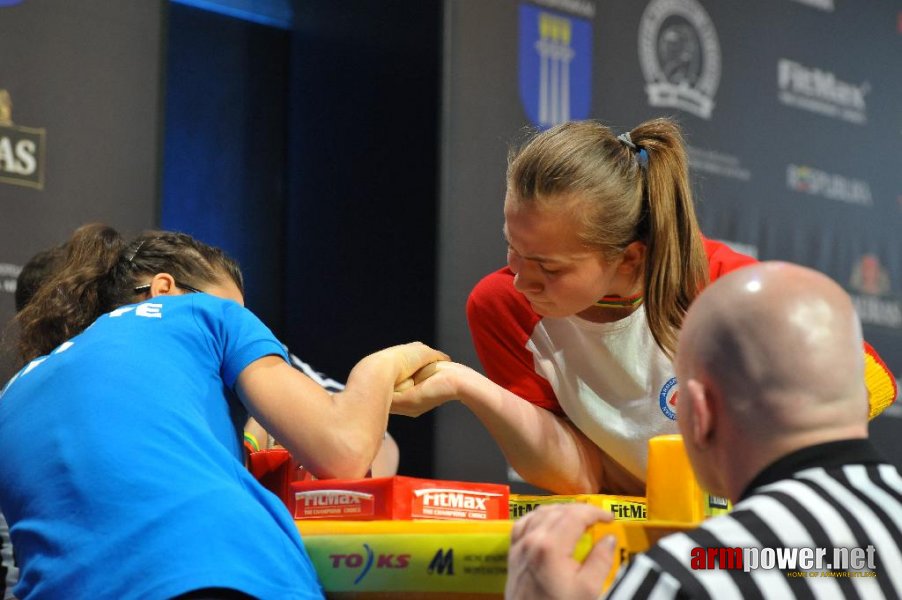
(636, 189)
(100, 272)
(36, 271)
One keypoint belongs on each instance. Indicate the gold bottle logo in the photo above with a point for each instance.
(21, 149)
(6, 108)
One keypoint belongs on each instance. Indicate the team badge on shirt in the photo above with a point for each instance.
(667, 398)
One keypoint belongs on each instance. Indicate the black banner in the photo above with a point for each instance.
(794, 139)
(80, 119)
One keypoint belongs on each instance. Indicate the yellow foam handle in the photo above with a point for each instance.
(880, 382)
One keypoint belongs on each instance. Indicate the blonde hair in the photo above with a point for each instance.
(633, 189)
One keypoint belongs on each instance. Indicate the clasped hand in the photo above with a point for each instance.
(431, 386)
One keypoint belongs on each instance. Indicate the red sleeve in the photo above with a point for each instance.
(722, 259)
(501, 322)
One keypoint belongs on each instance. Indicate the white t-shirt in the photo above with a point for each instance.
(611, 380)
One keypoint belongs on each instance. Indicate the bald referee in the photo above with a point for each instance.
(774, 416)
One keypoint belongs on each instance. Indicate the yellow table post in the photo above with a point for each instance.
(674, 494)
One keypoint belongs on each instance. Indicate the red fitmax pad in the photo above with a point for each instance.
(398, 498)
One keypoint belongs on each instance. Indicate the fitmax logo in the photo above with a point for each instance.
(629, 511)
(331, 498)
(453, 503)
(454, 500)
(821, 92)
(518, 510)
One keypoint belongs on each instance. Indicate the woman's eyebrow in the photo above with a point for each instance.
(537, 257)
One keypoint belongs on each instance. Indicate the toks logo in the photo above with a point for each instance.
(21, 149)
(368, 560)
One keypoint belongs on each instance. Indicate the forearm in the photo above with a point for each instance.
(546, 450)
(362, 407)
(339, 443)
(333, 436)
(354, 422)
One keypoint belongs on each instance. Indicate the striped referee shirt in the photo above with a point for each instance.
(822, 522)
(9, 573)
(323, 380)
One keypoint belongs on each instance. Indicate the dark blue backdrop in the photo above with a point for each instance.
(311, 156)
(225, 142)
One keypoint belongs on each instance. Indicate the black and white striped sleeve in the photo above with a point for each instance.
(8, 570)
(642, 577)
(324, 381)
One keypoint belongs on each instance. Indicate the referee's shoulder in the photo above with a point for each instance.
(663, 571)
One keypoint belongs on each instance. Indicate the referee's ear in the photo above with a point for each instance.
(700, 420)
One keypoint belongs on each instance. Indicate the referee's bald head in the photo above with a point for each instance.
(769, 359)
(782, 341)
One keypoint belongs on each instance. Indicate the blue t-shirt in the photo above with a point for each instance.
(121, 472)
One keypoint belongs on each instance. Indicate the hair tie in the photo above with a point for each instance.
(639, 151)
(135, 253)
(625, 138)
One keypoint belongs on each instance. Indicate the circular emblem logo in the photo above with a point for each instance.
(667, 398)
(869, 277)
(680, 56)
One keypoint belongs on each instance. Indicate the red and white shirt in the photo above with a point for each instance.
(610, 379)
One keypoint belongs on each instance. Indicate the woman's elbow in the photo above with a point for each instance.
(343, 461)
(572, 488)
(563, 484)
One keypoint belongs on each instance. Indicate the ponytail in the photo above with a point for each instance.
(73, 297)
(676, 267)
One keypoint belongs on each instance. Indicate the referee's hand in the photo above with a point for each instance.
(541, 562)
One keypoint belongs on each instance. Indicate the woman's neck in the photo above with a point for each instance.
(607, 314)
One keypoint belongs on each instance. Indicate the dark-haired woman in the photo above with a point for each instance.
(122, 473)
